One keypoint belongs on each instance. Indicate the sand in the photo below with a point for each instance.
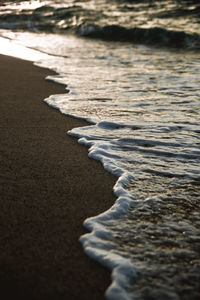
(48, 187)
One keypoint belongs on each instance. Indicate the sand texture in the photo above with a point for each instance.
(48, 187)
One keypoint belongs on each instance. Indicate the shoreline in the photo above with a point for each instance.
(48, 185)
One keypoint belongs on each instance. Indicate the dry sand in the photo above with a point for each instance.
(48, 188)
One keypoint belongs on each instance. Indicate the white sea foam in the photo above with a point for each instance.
(153, 153)
(96, 245)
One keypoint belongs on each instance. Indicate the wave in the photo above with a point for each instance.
(151, 36)
(97, 24)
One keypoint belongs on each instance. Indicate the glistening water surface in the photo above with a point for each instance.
(143, 106)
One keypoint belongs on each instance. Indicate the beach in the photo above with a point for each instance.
(49, 186)
(100, 177)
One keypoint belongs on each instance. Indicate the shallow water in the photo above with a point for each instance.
(143, 106)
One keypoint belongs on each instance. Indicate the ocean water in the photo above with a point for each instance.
(132, 70)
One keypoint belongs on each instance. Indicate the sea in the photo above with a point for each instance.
(132, 70)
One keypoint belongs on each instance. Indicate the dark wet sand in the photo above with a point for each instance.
(48, 187)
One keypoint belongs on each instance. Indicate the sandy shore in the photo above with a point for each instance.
(48, 188)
